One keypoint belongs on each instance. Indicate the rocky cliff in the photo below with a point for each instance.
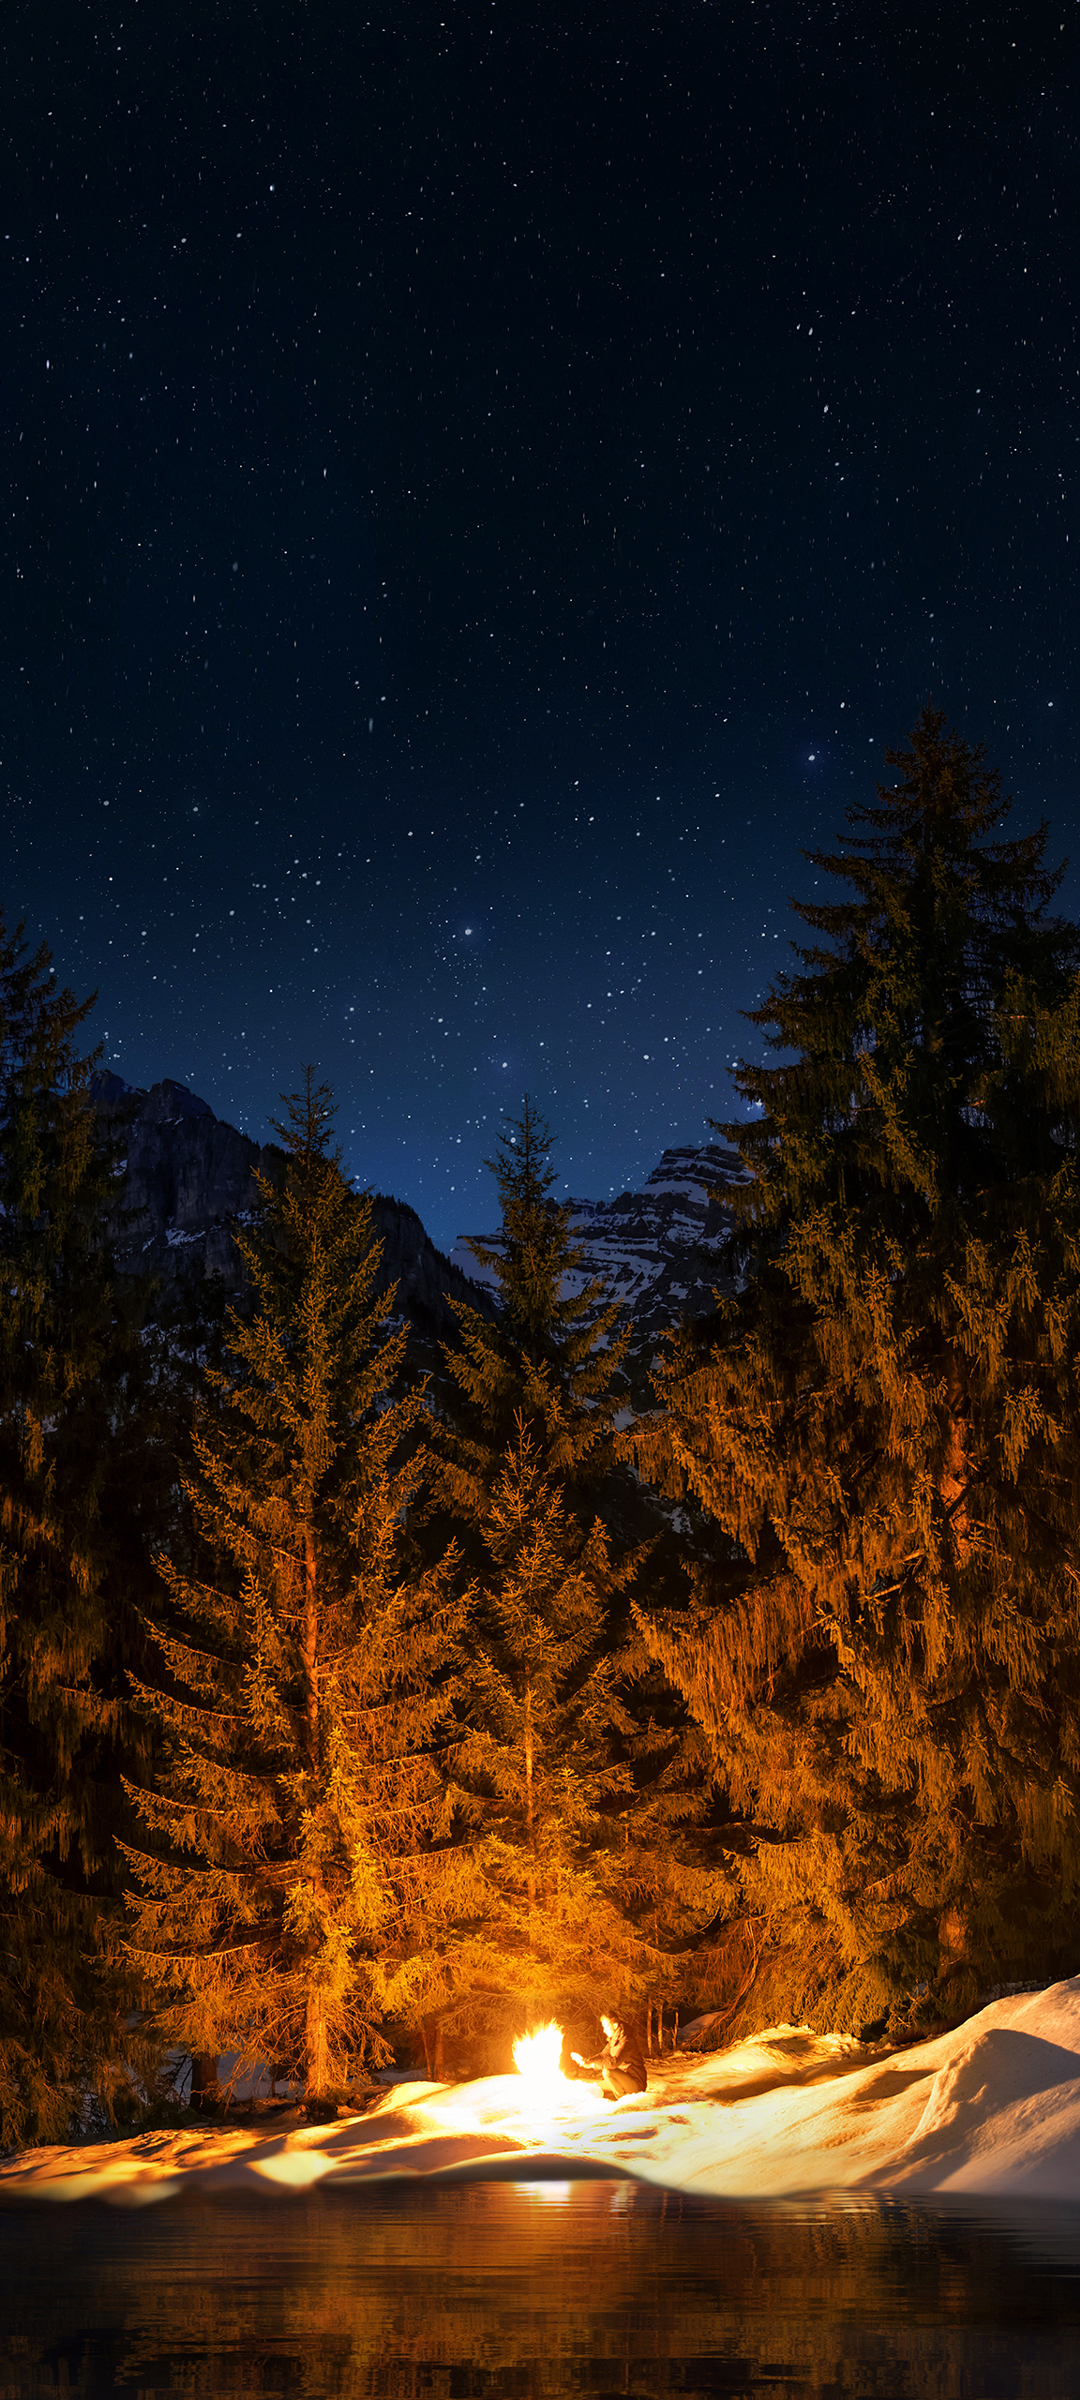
(656, 1250)
(186, 1183)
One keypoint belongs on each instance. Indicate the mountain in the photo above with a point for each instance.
(187, 1183)
(657, 1250)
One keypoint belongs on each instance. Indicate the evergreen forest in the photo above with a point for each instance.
(357, 1711)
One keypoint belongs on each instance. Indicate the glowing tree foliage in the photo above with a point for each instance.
(576, 1794)
(65, 1572)
(886, 1424)
(300, 1881)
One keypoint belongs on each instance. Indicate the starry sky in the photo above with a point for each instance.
(483, 484)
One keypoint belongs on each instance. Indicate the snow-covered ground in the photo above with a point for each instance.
(991, 2108)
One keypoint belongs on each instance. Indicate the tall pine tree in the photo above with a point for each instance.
(582, 1798)
(68, 1576)
(885, 1423)
(550, 1357)
(300, 1884)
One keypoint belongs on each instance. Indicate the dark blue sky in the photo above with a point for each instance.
(483, 487)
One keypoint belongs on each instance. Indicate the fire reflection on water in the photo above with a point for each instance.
(506, 2293)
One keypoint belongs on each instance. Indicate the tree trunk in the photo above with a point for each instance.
(316, 2047)
(315, 2044)
(309, 1647)
(529, 1832)
(205, 2089)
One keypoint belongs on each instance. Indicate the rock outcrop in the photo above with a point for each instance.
(656, 1251)
(186, 1183)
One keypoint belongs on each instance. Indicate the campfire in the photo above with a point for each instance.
(536, 2057)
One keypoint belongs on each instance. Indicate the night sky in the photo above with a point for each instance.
(483, 486)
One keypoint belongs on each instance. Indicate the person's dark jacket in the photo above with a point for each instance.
(624, 2050)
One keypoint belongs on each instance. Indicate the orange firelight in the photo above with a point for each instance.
(537, 2056)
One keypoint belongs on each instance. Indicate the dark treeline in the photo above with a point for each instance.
(349, 1713)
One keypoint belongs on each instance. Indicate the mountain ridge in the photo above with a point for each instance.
(656, 1251)
(188, 1185)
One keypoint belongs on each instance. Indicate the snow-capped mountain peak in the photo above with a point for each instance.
(655, 1251)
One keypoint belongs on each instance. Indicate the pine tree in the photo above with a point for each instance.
(885, 1423)
(549, 1358)
(582, 1798)
(579, 1795)
(300, 1881)
(67, 1352)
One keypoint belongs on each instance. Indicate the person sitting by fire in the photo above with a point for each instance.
(620, 2062)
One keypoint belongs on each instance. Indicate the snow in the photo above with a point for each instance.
(635, 1244)
(991, 2108)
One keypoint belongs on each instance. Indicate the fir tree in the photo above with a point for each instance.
(578, 1795)
(886, 1424)
(582, 1801)
(300, 1883)
(549, 1358)
(67, 1351)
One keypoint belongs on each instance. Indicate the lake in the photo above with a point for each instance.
(488, 2289)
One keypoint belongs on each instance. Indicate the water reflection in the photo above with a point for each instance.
(592, 2288)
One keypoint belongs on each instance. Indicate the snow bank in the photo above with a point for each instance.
(991, 2108)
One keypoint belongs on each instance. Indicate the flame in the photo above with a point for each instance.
(537, 2056)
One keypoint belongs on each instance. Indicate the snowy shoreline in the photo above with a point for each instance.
(991, 2108)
